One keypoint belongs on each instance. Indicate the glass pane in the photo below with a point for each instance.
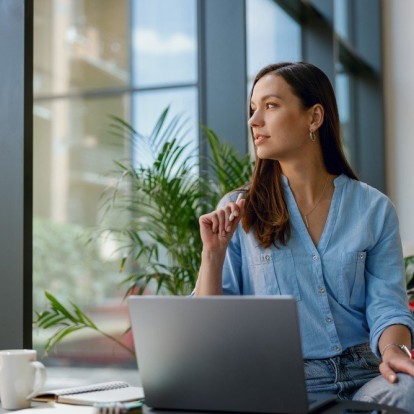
(74, 153)
(341, 18)
(85, 45)
(80, 45)
(164, 42)
(148, 106)
(272, 36)
(343, 96)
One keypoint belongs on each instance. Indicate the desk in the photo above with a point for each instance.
(66, 377)
(342, 407)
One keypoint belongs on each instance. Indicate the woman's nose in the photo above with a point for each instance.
(255, 120)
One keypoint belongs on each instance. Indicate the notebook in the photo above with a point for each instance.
(101, 393)
(221, 353)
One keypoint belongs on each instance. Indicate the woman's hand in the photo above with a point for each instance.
(395, 360)
(217, 227)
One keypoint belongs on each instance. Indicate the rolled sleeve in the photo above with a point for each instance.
(386, 302)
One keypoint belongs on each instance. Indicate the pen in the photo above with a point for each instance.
(239, 197)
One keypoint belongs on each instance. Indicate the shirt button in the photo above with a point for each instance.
(361, 255)
(314, 257)
(267, 257)
(321, 290)
(328, 319)
(337, 348)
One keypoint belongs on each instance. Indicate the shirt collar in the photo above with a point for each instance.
(338, 181)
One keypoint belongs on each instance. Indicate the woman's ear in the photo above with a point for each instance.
(318, 114)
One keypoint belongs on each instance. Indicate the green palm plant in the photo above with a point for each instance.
(164, 198)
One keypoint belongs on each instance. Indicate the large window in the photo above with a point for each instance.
(132, 59)
(164, 62)
(94, 59)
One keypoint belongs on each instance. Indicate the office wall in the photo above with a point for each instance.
(398, 32)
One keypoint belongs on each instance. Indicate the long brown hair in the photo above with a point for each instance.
(266, 211)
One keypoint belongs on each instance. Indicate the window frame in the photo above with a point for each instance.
(16, 49)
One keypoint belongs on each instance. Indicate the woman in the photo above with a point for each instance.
(305, 226)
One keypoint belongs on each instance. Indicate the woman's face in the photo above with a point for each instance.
(279, 123)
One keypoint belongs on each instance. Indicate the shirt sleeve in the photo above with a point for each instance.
(386, 300)
(232, 278)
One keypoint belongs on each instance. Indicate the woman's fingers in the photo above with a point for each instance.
(396, 364)
(223, 221)
(388, 372)
(223, 215)
(216, 221)
(210, 220)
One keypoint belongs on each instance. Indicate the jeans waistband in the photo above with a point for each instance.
(357, 348)
(352, 350)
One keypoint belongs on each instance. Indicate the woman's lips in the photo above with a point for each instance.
(259, 139)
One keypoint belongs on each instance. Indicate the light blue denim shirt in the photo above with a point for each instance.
(349, 287)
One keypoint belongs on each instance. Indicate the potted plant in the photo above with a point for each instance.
(164, 199)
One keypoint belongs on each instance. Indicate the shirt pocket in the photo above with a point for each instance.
(352, 281)
(273, 273)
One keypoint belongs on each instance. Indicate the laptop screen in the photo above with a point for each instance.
(220, 353)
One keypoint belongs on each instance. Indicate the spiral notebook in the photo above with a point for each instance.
(102, 393)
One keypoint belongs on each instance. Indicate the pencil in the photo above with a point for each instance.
(239, 197)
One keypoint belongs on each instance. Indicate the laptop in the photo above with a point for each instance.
(221, 353)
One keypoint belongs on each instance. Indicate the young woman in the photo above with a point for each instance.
(305, 226)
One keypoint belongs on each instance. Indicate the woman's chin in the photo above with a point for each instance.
(263, 154)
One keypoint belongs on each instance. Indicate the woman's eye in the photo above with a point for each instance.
(271, 105)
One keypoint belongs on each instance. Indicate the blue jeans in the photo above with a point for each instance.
(354, 375)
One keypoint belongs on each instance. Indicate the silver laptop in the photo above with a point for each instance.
(221, 353)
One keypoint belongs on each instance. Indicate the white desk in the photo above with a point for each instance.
(68, 377)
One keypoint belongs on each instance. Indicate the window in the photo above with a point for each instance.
(164, 63)
(94, 59)
(342, 18)
(272, 36)
(343, 83)
(164, 42)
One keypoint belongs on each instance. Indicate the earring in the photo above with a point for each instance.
(312, 136)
